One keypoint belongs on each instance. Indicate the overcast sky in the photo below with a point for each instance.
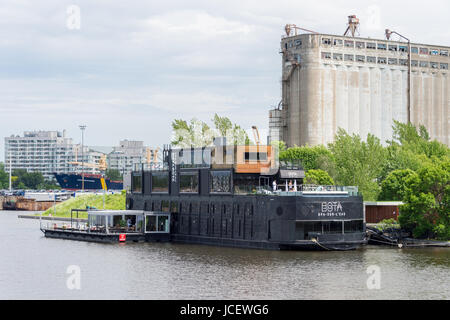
(134, 66)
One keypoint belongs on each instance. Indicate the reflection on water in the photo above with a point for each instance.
(33, 267)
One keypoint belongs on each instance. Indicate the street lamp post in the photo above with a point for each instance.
(10, 170)
(388, 35)
(82, 127)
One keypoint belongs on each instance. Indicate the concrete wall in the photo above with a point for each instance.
(323, 93)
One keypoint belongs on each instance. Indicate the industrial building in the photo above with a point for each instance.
(360, 85)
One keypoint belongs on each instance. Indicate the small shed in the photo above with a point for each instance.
(377, 211)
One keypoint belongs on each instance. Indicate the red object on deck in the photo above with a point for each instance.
(122, 237)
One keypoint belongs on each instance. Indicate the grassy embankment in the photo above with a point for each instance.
(112, 202)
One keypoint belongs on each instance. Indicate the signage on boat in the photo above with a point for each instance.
(292, 174)
(122, 237)
(329, 210)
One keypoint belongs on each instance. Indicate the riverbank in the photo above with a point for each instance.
(112, 202)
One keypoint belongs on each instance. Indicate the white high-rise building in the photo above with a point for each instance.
(47, 152)
(129, 153)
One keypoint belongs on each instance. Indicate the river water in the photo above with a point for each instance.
(34, 267)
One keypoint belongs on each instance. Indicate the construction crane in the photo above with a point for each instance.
(101, 165)
(256, 135)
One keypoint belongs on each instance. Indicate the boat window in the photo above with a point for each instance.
(157, 223)
(136, 183)
(220, 181)
(244, 184)
(189, 182)
(139, 223)
(255, 156)
(332, 226)
(163, 223)
(151, 224)
(160, 181)
(353, 226)
(310, 228)
(156, 206)
(165, 205)
(173, 206)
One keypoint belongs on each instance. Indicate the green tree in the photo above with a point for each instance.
(310, 157)
(411, 148)
(113, 174)
(426, 211)
(27, 180)
(233, 132)
(393, 188)
(32, 180)
(358, 162)
(197, 133)
(4, 177)
(318, 177)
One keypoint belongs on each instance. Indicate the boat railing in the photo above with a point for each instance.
(77, 226)
(64, 225)
(304, 189)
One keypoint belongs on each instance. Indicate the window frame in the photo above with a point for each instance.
(190, 174)
(160, 173)
(230, 182)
